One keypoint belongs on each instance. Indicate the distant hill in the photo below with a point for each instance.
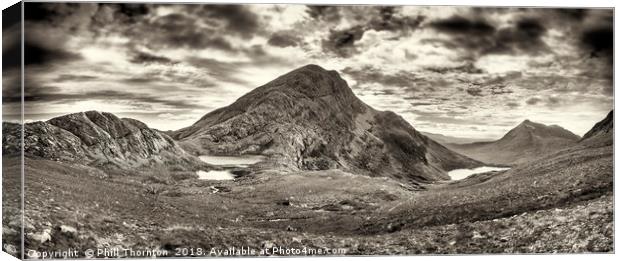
(445, 139)
(95, 138)
(309, 119)
(527, 141)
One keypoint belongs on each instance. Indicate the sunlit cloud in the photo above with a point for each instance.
(469, 72)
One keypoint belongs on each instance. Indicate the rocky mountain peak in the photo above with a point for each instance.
(528, 127)
(313, 81)
(309, 118)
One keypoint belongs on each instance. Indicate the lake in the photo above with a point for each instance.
(228, 163)
(464, 173)
(215, 175)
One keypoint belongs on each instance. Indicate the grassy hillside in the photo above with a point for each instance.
(562, 203)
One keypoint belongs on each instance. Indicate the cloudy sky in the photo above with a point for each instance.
(468, 72)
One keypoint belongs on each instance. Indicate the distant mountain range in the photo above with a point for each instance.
(310, 119)
(445, 139)
(307, 119)
(525, 142)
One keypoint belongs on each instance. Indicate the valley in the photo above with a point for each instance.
(312, 166)
(513, 211)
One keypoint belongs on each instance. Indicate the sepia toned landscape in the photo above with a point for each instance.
(402, 130)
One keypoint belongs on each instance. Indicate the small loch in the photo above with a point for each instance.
(228, 164)
(215, 175)
(458, 174)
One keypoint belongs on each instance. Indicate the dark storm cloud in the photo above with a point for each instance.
(46, 12)
(133, 10)
(465, 26)
(571, 14)
(284, 39)
(73, 17)
(33, 90)
(323, 12)
(525, 36)
(388, 20)
(193, 27)
(369, 74)
(41, 93)
(11, 85)
(342, 42)
(481, 36)
(177, 31)
(121, 15)
(35, 54)
(598, 40)
(44, 23)
(237, 18)
(11, 47)
(147, 58)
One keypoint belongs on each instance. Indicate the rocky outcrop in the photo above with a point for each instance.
(527, 141)
(96, 138)
(310, 119)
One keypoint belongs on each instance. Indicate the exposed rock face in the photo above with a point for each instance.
(310, 119)
(527, 141)
(94, 138)
(602, 127)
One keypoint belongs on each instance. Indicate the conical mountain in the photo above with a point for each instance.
(525, 142)
(310, 119)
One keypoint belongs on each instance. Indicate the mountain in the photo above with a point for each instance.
(602, 134)
(527, 141)
(601, 128)
(309, 119)
(95, 138)
(445, 139)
